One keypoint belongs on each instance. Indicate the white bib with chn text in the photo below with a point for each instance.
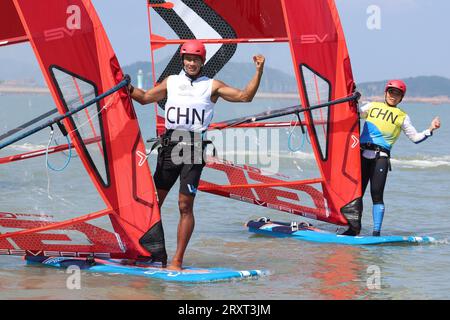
(189, 106)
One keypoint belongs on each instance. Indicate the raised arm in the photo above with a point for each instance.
(222, 90)
(152, 95)
(418, 137)
(435, 124)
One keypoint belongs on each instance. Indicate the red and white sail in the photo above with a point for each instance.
(321, 64)
(78, 64)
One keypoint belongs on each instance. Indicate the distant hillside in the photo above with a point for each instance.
(424, 86)
(237, 75)
(26, 74)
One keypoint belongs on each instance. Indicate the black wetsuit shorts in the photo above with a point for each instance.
(167, 172)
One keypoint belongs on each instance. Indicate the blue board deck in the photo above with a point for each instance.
(148, 270)
(308, 233)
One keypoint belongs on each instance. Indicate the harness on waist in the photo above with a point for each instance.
(378, 149)
(168, 140)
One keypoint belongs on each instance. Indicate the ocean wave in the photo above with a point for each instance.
(422, 161)
(417, 161)
(27, 147)
(281, 155)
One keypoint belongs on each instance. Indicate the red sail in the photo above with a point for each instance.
(79, 63)
(322, 69)
(11, 30)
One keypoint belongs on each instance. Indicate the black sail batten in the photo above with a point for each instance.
(297, 109)
(59, 118)
(28, 124)
(178, 25)
(33, 121)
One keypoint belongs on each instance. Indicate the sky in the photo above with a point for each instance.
(404, 38)
(413, 38)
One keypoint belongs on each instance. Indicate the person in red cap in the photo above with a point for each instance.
(384, 122)
(189, 109)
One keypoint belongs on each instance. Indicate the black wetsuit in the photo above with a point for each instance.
(375, 170)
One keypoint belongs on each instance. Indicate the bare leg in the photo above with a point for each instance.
(162, 194)
(185, 229)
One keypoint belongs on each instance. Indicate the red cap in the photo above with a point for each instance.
(193, 47)
(398, 84)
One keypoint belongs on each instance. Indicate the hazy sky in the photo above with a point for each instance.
(412, 38)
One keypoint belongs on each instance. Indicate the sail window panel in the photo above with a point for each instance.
(75, 92)
(317, 91)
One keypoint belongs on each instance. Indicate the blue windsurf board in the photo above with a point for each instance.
(302, 231)
(145, 269)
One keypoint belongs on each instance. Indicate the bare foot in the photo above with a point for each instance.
(174, 267)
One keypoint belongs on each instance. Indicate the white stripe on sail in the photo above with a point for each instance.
(199, 27)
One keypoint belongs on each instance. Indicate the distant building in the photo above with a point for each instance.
(140, 79)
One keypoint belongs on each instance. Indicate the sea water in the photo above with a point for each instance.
(417, 202)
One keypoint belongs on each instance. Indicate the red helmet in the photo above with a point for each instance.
(193, 47)
(398, 84)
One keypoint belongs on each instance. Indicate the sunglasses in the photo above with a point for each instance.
(394, 92)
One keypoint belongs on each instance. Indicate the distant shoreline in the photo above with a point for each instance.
(259, 95)
(428, 100)
(23, 90)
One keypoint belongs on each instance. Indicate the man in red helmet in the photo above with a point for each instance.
(384, 122)
(191, 97)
